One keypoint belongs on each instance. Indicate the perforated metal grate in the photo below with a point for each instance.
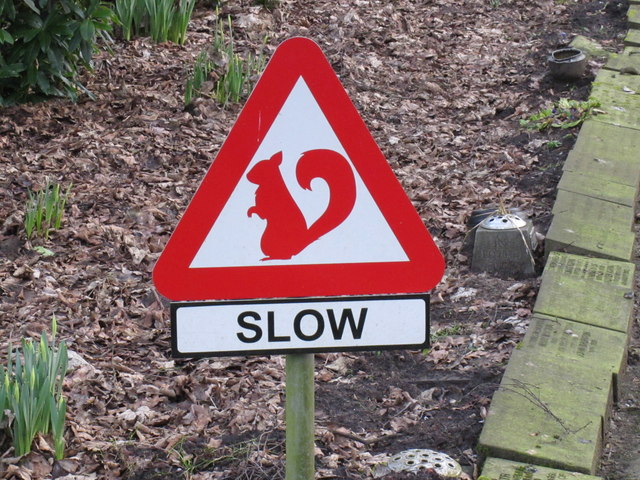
(418, 460)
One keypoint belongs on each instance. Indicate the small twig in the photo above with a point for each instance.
(352, 436)
(533, 398)
(410, 403)
(537, 401)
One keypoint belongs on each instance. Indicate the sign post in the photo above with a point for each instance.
(299, 417)
(300, 239)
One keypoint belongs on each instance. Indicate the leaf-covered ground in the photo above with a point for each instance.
(442, 86)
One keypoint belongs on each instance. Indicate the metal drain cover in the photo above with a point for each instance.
(421, 459)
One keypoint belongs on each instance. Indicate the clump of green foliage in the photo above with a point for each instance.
(563, 114)
(194, 458)
(238, 74)
(130, 15)
(236, 82)
(45, 43)
(44, 210)
(31, 399)
(200, 73)
(162, 20)
(455, 329)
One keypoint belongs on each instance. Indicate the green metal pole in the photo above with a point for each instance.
(299, 417)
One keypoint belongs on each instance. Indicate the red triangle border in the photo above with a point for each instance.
(294, 58)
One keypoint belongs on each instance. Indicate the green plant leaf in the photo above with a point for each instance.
(45, 252)
(5, 37)
(43, 82)
(31, 5)
(87, 30)
(11, 71)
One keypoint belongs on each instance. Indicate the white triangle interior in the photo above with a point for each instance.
(364, 237)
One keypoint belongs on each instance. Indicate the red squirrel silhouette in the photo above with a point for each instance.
(286, 233)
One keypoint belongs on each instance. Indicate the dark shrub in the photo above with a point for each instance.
(44, 43)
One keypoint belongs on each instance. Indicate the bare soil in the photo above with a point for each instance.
(442, 86)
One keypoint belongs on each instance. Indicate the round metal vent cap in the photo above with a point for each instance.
(503, 222)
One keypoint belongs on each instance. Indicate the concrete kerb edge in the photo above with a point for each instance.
(515, 469)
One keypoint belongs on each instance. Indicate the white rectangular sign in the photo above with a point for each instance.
(327, 324)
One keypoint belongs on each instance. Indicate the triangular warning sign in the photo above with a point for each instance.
(299, 202)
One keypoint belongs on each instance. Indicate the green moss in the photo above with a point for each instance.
(609, 150)
(498, 469)
(572, 233)
(594, 186)
(599, 211)
(541, 417)
(599, 303)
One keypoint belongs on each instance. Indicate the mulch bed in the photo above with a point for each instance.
(441, 85)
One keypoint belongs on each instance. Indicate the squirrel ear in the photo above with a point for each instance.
(277, 158)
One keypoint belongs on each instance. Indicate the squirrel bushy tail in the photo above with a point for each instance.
(336, 171)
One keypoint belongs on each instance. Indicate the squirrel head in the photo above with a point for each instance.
(265, 169)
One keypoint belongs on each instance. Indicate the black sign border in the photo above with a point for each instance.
(174, 306)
